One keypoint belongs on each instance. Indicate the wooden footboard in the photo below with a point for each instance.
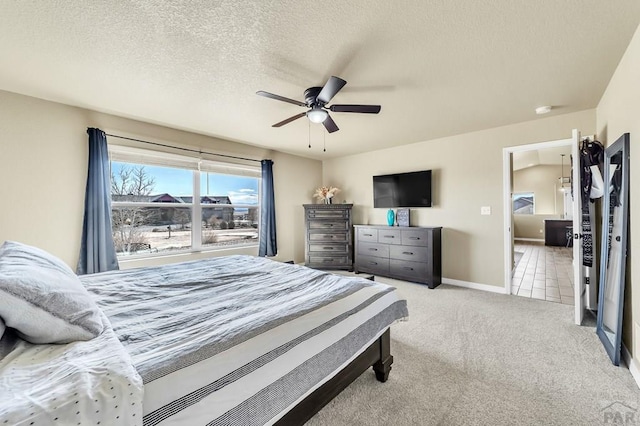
(378, 356)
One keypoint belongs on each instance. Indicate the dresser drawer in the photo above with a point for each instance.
(328, 225)
(368, 235)
(327, 214)
(413, 271)
(415, 237)
(328, 248)
(317, 260)
(412, 253)
(320, 236)
(374, 265)
(371, 249)
(389, 236)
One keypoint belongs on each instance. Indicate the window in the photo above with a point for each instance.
(229, 206)
(524, 203)
(153, 203)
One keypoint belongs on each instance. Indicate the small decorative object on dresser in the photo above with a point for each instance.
(324, 194)
(391, 218)
(328, 236)
(402, 217)
(412, 253)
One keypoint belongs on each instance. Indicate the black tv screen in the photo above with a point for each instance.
(402, 190)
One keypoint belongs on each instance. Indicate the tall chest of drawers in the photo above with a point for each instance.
(411, 253)
(328, 241)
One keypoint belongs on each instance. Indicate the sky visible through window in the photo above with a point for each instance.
(179, 182)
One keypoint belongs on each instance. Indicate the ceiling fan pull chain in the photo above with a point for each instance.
(309, 134)
(324, 140)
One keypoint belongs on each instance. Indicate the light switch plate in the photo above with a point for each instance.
(485, 210)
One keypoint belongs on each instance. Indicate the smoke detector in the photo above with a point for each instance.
(543, 110)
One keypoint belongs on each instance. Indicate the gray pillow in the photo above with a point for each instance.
(42, 299)
(2, 328)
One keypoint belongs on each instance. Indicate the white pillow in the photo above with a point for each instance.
(42, 299)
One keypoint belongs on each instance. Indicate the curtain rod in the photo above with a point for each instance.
(183, 149)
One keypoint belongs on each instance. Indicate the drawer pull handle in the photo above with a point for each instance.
(407, 252)
(414, 238)
(373, 249)
(408, 268)
(328, 248)
(389, 236)
(373, 263)
(328, 236)
(327, 260)
(368, 235)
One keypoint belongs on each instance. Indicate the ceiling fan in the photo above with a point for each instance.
(316, 99)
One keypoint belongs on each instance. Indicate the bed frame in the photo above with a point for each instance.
(378, 356)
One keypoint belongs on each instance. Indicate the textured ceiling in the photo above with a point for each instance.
(437, 67)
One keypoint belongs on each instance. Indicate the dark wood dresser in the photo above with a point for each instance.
(407, 253)
(328, 241)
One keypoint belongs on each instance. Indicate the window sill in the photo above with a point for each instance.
(155, 259)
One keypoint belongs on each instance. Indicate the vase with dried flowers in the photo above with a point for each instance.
(325, 193)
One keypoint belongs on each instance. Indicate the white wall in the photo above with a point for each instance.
(467, 174)
(43, 161)
(619, 112)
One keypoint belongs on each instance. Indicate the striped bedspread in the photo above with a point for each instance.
(88, 383)
(238, 340)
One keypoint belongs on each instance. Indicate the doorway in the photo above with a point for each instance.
(539, 257)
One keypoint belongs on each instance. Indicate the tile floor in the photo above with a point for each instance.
(543, 272)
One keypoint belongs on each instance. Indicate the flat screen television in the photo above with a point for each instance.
(411, 189)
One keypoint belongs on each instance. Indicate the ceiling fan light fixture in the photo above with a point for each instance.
(316, 99)
(317, 115)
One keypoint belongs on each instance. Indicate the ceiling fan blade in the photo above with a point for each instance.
(333, 86)
(365, 109)
(330, 125)
(289, 120)
(280, 98)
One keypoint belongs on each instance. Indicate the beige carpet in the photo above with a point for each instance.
(468, 357)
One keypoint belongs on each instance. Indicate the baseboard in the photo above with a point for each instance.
(533, 240)
(474, 286)
(633, 368)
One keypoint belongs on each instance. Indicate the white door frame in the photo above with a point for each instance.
(507, 197)
(579, 289)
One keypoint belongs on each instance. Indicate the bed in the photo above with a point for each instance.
(235, 340)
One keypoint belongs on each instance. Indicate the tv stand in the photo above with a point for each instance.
(410, 253)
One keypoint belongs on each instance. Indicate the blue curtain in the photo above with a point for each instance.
(268, 244)
(97, 251)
